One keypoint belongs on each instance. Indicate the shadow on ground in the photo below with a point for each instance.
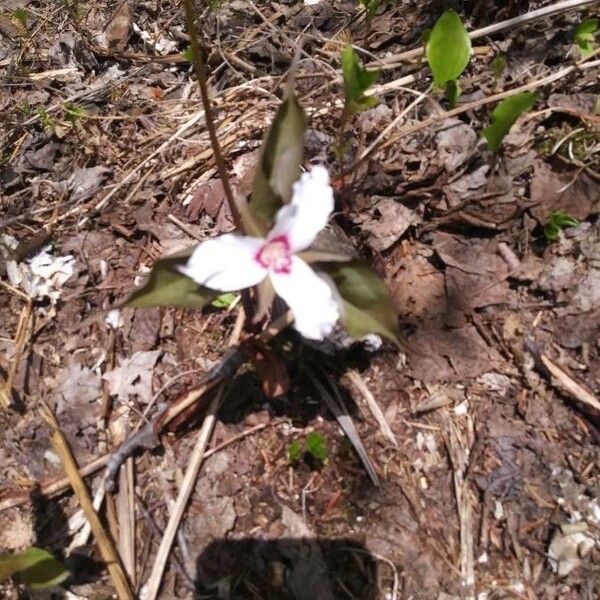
(286, 569)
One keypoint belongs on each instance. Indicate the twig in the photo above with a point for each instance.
(105, 543)
(51, 487)
(187, 486)
(467, 107)
(191, 24)
(126, 517)
(562, 378)
(59, 485)
(458, 452)
(20, 342)
(354, 377)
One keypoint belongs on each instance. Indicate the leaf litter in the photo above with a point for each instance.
(430, 211)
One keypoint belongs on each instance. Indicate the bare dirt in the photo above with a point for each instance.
(490, 477)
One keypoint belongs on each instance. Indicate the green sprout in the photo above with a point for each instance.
(315, 445)
(499, 65)
(26, 108)
(584, 35)
(357, 80)
(557, 221)
(295, 452)
(44, 118)
(224, 300)
(21, 15)
(74, 112)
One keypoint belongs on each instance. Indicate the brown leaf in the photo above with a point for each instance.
(556, 186)
(145, 328)
(133, 376)
(456, 143)
(475, 275)
(118, 29)
(417, 287)
(271, 370)
(385, 222)
(209, 198)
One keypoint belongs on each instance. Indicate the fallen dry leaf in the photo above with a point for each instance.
(556, 186)
(475, 275)
(417, 286)
(456, 142)
(385, 222)
(118, 29)
(133, 376)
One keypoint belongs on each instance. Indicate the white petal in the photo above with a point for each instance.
(310, 297)
(308, 212)
(226, 263)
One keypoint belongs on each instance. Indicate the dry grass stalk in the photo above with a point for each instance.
(105, 543)
(354, 377)
(459, 452)
(126, 517)
(20, 342)
(152, 586)
(569, 384)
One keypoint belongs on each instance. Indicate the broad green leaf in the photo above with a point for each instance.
(448, 48)
(35, 567)
(504, 117)
(280, 160)
(368, 307)
(584, 35)
(453, 92)
(166, 286)
(317, 446)
(357, 80)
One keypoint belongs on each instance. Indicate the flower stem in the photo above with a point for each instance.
(193, 25)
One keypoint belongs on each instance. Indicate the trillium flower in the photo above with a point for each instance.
(231, 262)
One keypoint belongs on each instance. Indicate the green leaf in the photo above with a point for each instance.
(294, 451)
(368, 307)
(584, 35)
(166, 286)
(357, 80)
(557, 221)
(188, 54)
(224, 300)
(280, 160)
(504, 117)
(317, 446)
(35, 567)
(453, 92)
(448, 48)
(74, 112)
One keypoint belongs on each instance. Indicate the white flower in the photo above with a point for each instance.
(232, 262)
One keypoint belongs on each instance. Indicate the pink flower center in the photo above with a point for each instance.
(275, 255)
